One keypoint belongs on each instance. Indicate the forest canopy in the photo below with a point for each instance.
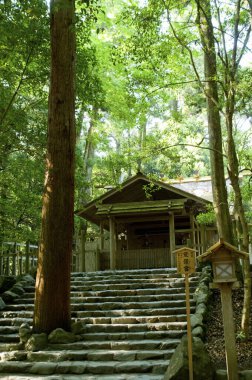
(141, 101)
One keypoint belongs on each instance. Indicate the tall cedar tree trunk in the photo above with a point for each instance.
(233, 170)
(214, 124)
(52, 298)
(86, 190)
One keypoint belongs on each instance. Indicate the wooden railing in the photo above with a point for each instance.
(16, 258)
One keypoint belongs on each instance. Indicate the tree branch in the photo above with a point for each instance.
(244, 46)
(194, 146)
(18, 86)
(236, 37)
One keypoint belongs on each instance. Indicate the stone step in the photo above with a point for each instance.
(14, 321)
(123, 305)
(95, 355)
(9, 338)
(113, 307)
(96, 328)
(140, 327)
(122, 296)
(6, 347)
(131, 273)
(126, 286)
(128, 320)
(121, 376)
(112, 336)
(129, 312)
(168, 334)
(156, 366)
(129, 281)
(115, 316)
(78, 298)
(126, 272)
(125, 280)
(117, 276)
(131, 292)
(16, 314)
(131, 287)
(134, 321)
(143, 345)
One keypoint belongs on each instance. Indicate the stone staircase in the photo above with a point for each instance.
(134, 321)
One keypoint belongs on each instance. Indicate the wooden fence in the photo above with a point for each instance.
(143, 258)
(18, 258)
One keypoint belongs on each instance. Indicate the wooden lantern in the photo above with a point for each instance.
(223, 257)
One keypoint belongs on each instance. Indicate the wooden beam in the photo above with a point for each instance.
(142, 207)
(143, 218)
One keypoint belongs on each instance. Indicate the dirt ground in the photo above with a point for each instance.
(215, 335)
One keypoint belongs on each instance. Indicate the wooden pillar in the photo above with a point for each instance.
(101, 236)
(193, 230)
(203, 237)
(112, 243)
(83, 251)
(172, 239)
(198, 240)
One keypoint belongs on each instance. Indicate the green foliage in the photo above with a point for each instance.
(207, 218)
(24, 72)
(136, 91)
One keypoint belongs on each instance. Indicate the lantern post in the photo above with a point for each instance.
(186, 265)
(223, 257)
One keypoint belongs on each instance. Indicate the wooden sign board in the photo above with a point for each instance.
(185, 261)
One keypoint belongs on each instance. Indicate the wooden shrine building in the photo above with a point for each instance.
(143, 222)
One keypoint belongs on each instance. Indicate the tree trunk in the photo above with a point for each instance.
(142, 145)
(86, 190)
(52, 297)
(233, 170)
(214, 124)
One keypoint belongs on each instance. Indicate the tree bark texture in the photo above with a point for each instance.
(214, 123)
(233, 169)
(52, 297)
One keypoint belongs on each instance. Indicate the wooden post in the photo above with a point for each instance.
(27, 257)
(101, 236)
(112, 243)
(14, 260)
(203, 237)
(172, 239)
(189, 331)
(83, 250)
(198, 240)
(229, 333)
(193, 230)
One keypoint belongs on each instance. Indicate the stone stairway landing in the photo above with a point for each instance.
(134, 319)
